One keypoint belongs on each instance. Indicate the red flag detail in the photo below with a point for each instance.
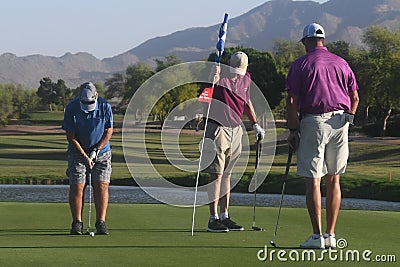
(206, 95)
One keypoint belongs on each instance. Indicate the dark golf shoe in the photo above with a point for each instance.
(101, 228)
(217, 227)
(231, 225)
(76, 228)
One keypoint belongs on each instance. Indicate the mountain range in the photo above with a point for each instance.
(259, 28)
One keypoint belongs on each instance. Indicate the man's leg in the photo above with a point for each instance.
(235, 144)
(314, 206)
(333, 200)
(213, 190)
(224, 205)
(225, 192)
(100, 190)
(101, 174)
(313, 200)
(76, 201)
(100, 193)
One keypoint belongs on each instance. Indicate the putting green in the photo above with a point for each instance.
(36, 234)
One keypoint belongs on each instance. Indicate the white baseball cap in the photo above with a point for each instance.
(88, 97)
(239, 62)
(313, 30)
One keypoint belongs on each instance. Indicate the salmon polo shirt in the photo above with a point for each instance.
(322, 81)
(229, 100)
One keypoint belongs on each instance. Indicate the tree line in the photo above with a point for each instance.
(377, 68)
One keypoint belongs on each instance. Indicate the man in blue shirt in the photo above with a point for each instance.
(88, 122)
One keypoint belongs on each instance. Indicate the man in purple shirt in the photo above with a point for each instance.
(322, 100)
(230, 100)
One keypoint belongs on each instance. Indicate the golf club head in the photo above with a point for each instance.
(256, 228)
(273, 244)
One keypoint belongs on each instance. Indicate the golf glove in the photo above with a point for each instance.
(259, 131)
(93, 154)
(349, 118)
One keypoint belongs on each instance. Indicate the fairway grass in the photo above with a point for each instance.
(36, 234)
(373, 171)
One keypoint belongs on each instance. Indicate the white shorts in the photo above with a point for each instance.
(324, 147)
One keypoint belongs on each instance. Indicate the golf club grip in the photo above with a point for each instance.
(258, 152)
(288, 163)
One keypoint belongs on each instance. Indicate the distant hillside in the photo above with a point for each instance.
(259, 28)
(71, 68)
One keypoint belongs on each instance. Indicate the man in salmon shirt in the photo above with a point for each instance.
(230, 100)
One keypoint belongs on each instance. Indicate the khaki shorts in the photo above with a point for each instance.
(221, 149)
(77, 168)
(323, 145)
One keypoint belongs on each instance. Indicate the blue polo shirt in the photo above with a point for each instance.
(88, 127)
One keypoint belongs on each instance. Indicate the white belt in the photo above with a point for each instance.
(327, 114)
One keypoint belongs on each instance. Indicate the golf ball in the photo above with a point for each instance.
(91, 233)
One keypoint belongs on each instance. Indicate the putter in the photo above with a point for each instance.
(258, 155)
(289, 160)
(90, 202)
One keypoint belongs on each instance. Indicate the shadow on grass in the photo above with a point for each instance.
(132, 246)
(168, 246)
(51, 232)
(65, 232)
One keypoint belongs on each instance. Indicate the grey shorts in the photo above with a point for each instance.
(77, 168)
(323, 145)
(222, 148)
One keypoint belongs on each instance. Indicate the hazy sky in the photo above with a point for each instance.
(104, 28)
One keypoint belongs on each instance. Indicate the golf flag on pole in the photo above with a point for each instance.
(206, 95)
(221, 39)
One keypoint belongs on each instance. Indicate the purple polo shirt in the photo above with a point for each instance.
(229, 100)
(322, 81)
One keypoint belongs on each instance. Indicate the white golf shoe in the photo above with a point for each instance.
(315, 241)
(330, 241)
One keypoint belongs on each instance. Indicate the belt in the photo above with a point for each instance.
(220, 124)
(327, 114)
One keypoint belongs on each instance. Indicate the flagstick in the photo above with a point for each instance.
(220, 47)
(201, 154)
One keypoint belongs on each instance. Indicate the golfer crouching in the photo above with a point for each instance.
(88, 122)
